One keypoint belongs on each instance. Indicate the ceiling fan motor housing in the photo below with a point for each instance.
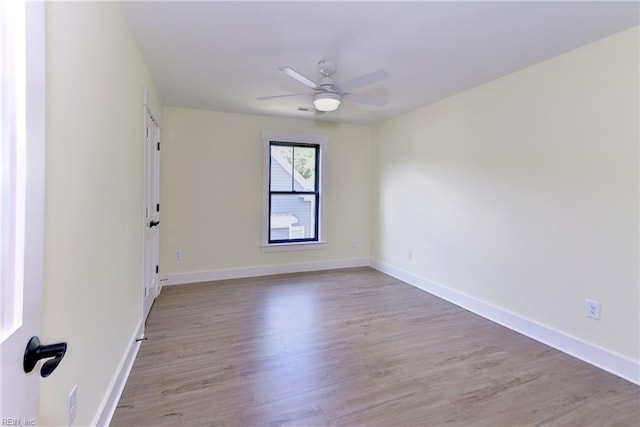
(327, 84)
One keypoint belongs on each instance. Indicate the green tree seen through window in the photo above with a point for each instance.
(305, 161)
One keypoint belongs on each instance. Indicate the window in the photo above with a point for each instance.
(293, 197)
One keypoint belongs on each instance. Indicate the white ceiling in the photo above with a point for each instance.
(222, 55)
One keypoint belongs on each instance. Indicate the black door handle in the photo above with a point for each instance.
(35, 351)
(154, 223)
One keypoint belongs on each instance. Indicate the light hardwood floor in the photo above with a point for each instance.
(352, 348)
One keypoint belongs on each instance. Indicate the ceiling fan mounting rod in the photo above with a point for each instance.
(326, 67)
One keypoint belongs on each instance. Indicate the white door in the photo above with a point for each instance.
(151, 195)
(22, 204)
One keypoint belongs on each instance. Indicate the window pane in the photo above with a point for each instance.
(281, 168)
(293, 216)
(305, 166)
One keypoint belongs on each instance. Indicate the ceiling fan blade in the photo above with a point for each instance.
(311, 110)
(299, 77)
(293, 95)
(369, 100)
(365, 80)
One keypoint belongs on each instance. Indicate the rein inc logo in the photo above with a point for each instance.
(17, 422)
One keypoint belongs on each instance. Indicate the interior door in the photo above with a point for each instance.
(22, 203)
(151, 194)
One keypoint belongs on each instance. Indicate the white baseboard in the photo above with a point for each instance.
(267, 270)
(110, 400)
(603, 359)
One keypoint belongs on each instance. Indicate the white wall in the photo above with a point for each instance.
(93, 219)
(523, 193)
(211, 191)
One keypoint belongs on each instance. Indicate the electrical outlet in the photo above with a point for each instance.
(178, 255)
(410, 254)
(592, 309)
(72, 407)
(354, 244)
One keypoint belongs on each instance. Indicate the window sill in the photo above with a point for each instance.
(300, 246)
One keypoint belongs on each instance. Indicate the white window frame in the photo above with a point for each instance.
(305, 138)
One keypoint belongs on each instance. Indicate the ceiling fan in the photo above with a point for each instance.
(327, 95)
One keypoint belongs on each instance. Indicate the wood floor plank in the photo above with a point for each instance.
(352, 347)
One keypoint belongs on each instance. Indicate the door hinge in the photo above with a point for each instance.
(157, 207)
(156, 269)
(158, 146)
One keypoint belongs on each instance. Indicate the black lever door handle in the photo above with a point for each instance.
(35, 351)
(154, 223)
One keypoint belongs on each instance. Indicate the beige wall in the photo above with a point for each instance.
(211, 191)
(93, 224)
(523, 192)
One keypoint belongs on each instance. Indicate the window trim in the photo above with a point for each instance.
(300, 138)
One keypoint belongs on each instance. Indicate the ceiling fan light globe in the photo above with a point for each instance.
(326, 101)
